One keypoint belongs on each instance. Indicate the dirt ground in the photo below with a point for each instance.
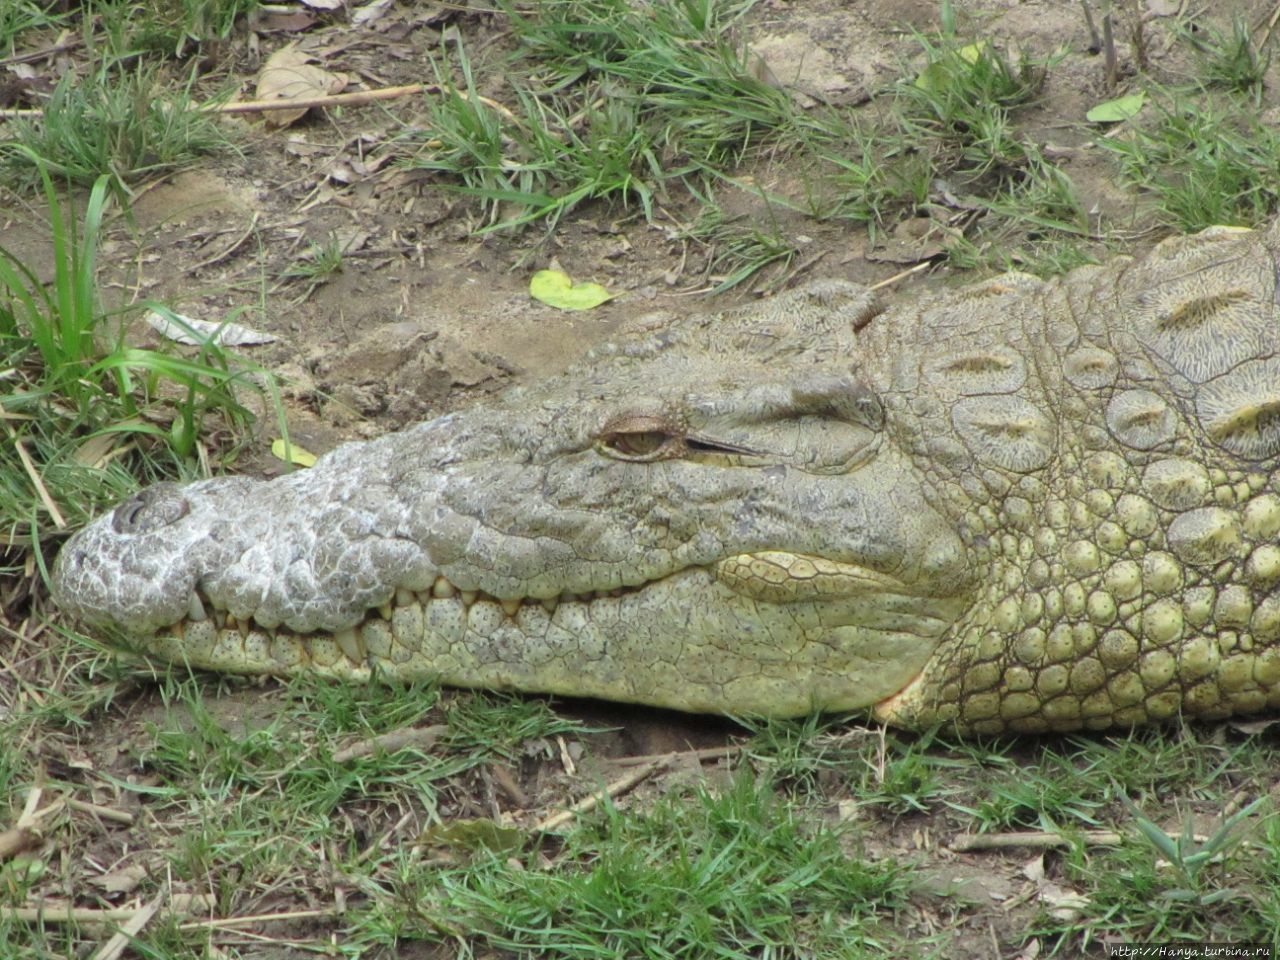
(423, 316)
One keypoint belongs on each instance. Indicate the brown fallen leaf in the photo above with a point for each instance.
(288, 74)
(123, 880)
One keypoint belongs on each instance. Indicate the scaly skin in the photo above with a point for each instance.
(1022, 506)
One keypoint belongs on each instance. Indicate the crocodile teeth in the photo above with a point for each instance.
(385, 610)
(469, 596)
(510, 607)
(442, 589)
(550, 604)
(195, 608)
(405, 598)
(350, 643)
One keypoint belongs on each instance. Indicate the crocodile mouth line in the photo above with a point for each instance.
(202, 608)
(768, 576)
(386, 632)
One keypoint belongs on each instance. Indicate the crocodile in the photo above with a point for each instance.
(1021, 506)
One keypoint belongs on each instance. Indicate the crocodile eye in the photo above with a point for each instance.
(643, 444)
(640, 438)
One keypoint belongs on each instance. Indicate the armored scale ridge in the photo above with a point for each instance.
(1018, 506)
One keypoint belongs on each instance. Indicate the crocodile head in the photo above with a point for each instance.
(710, 516)
(1023, 505)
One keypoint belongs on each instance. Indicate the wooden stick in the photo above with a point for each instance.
(357, 98)
(62, 47)
(106, 813)
(1035, 839)
(701, 755)
(220, 923)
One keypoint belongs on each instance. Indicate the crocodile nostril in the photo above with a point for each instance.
(153, 508)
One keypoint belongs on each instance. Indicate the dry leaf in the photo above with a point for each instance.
(370, 13)
(325, 4)
(288, 75)
(188, 330)
(96, 449)
(1061, 902)
(124, 880)
(1033, 869)
(284, 21)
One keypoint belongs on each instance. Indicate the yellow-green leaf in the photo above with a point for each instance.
(555, 289)
(939, 75)
(292, 453)
(1121, 108)
(474, 835)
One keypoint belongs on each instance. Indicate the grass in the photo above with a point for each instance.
(636, 105)
(1203, 162)
(615, 102)
(815, 838)
(733, 873)
(126, 124)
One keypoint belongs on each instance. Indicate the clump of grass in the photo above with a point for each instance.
(740, 247)
(19, 17)
(616, 102)
(1233, 63)
(122, 123)
(1203, 163)
(951, 125)
(174, 27)
(630, 104)
(1162, 887)
(730, 873)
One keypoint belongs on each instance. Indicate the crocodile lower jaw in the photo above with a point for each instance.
(843, 623)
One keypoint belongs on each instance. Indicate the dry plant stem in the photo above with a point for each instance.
(614, 789)
(1271, 25)
(331, 100)
(113, 948)
(222, 923)
(179, 905)
(902, 275)
(106, 813)
(60, 47)
(1095, 42)
(703, 755)
(424, 738)
(222, 254)
(54, 513)
(347, 99)
(1109, 49)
